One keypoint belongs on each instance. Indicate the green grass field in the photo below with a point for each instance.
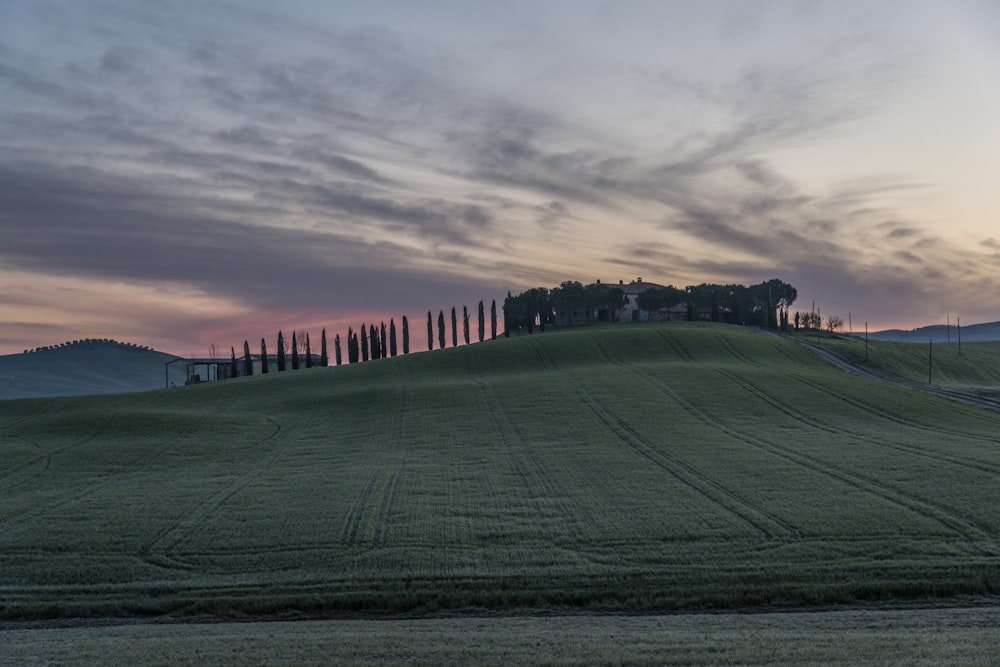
(655, 467)
(975, 367)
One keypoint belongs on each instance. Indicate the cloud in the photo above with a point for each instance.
(85, 222)
(265, 155)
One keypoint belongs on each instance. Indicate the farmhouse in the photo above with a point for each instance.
(631, 312)
(207, 369)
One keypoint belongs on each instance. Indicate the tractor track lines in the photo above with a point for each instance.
(675, 344)
(518, 452)
(48, 455)
(379, 488)
(806, 420)
(864, 407)
(160, 549)
(24, 521)
(971, 532)
(683, 472)
(882, 414)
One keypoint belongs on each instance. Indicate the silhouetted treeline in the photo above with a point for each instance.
(370, 342)
(764, 304)
(89, 344)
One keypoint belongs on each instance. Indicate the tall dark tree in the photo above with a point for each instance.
(406, 335)
(364, 343)
(324, 358)
(569, 301)
(465, 324)
(454, 328)
(263, 356)
(234, 370)
(336, 349)
(507, 315)
(352, 346)
(309, 354)
(281, 351)
(383, 342)
(247, 359)
(295, 352)
(430, 331)
(392, 337)
(376, 347)
(441, 328)
(493, 320)
(482, 322)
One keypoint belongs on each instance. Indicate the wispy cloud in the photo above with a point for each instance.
(265, 156)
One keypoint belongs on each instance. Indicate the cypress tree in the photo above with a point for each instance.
(392, 337)
(309, 356)
(373, 341)
(364, 343)
(493, 320)
(324, 358)
(352, 346)
(454, 328)
(441, 328)
(507, 318)
(247, 359)
(234, 370)
(356, 349)
(295, 352)
(383, 342)
(430, 331)
(336, 349)
(465, 324)
(482, 322)
(281, 351)
(406, 335)
(263, 356)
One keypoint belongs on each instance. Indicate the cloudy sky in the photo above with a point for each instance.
(178, 174)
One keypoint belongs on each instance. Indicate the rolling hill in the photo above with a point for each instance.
(941, 333)
(647, 467)
(84, 367)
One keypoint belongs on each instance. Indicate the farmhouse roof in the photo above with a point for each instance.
(637, 286)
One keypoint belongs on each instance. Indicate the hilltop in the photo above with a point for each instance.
(624, 468)
(80, 367)
(940, 333)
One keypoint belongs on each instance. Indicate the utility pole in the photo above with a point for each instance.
(930, 361)
(947, 327)
(959, 336)
(866, 342)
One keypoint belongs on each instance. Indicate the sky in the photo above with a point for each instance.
(183, 174)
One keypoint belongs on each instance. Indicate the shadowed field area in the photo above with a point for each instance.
(622, 468)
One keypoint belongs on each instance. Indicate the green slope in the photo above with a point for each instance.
(975, 367)
(655, 466)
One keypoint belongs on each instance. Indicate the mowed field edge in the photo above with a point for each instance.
(608, 468)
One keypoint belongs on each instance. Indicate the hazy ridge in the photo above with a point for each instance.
(91, 366)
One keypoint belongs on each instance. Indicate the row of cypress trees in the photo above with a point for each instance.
(368, 343)
(442, 334)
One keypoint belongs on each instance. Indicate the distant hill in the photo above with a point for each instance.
(940, 333)
(92, 366)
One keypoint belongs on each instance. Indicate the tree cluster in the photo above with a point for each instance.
(569, 303)
(763, 304)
